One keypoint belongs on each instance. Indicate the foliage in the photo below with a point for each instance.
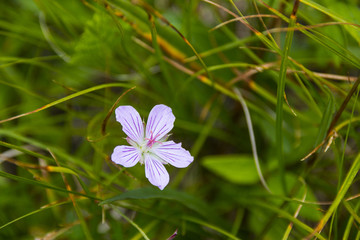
(65, 65)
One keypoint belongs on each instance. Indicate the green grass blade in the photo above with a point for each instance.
(352, 211)
(252, 138)
(341, 194)
(42, 184)
(325, 41)
(280, 96)
(350, 223)
(34, 212)
(168, 194)
(331, 14)
(341, 162)
(74, 95)
(148, 228)
(141, 231)
(215, 228)
(326, 118)
(286, 215)
(26, 151)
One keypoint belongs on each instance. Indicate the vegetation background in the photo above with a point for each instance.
(280, 76)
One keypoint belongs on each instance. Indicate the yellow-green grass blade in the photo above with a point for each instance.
(64, 99)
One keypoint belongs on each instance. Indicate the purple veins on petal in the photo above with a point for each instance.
(126, 156)
(156, 172)
(131, 122)
(160, 122)
(173, 236)
(173, 154)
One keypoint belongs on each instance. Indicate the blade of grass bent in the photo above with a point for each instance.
(67, 98)
(104, 123)
(47, 35)
(252, 138)
(280, 94)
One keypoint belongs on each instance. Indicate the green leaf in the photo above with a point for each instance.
(188, 200)
(234, 168)
(98, 43)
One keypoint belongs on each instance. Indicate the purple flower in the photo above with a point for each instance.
(149, 146)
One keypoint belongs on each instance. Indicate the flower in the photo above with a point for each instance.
(150, 147)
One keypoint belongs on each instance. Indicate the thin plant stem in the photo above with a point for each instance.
(131, 222)
(252, 138)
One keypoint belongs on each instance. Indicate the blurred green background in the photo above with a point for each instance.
(65, 65)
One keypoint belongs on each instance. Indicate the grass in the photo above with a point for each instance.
(265, 95)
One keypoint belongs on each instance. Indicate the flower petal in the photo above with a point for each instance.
(131, 122)
(160, 122)
(156, 172)
(126, 156)
(173, 154)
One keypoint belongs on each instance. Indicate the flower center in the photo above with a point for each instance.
(151, 140)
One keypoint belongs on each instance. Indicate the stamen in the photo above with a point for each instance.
(151, 141)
